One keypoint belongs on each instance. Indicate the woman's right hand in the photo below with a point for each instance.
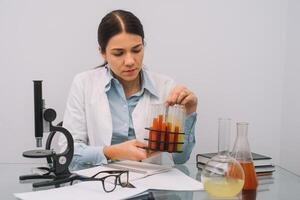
(129, 150)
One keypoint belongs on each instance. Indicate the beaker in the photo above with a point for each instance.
(222, 175)
(241, 152)
(166, 128)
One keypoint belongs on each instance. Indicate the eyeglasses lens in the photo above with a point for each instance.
(109, 183)
(123, 179)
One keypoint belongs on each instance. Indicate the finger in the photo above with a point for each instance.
(174, 94)
(182, 96)
(169, 100)
(140, 143)
(141, 154)
(153, 153)
(190, 99)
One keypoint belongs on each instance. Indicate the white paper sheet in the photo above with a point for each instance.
(140, 167)
(136, 170)
(85, 190)
(171, 180)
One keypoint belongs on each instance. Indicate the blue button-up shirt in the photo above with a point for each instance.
(123, 126)
(122, 121)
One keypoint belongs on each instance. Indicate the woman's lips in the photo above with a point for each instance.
(129, 72)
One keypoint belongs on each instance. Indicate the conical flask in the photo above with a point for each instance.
(222, 175)
(242, 153)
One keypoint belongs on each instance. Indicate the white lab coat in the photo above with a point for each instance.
(88, 117)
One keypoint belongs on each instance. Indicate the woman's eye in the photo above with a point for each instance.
(136, 50)
(118, 53)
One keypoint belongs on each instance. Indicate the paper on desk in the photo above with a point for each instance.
(136, 170)
(171, 180)
(142, 168)
(85, 190)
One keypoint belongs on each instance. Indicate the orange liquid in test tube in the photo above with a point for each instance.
(158, 138)
(163, 137)
(160, 121)
(153, 134)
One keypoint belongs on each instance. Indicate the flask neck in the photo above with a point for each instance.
(223, 136)
(242, 130)
(241, 149)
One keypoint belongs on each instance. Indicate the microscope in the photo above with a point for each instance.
(58, 170)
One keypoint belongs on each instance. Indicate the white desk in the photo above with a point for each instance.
(286, 185)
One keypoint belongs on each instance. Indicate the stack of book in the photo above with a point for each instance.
(263, 164)
(264, 182)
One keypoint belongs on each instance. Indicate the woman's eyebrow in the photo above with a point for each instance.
(117, 49)
(136, 46)
(120, 49)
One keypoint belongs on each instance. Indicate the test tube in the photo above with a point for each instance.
(166, 127)
(153, 134)
(170, 128)
(156, 121)
(181, 124)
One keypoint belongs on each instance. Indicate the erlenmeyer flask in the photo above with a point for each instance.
(222, 175)
(241, 152)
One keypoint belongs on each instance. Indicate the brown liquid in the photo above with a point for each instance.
(234, 171)
(153, 134)
(248, 194)
(160, 136)
(250, 175)
(163, 137)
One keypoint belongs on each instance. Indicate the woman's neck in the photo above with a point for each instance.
(131, 87)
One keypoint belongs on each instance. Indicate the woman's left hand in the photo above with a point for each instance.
(183, 96)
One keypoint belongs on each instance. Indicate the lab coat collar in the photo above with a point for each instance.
(146, 82)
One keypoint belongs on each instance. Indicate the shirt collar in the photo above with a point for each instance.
(108, 78)
(146, 82)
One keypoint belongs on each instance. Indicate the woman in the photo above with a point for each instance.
(106, 107)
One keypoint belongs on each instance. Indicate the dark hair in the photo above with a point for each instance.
(115, 22)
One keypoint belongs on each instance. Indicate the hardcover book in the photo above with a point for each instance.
(263, 164)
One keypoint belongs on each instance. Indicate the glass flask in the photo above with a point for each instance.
(166, 128)
(222, 175)
(241, 152)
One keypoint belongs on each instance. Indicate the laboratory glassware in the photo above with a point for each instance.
(222, 175)
(241, 152)
(166, 128)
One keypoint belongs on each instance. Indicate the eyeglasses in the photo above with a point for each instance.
(110, 181)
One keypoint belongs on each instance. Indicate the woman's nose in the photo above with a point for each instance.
(129, 61)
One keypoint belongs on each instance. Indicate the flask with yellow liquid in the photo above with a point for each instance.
(223, 176)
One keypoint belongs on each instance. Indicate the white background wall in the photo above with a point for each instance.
(290, 136)
(231, 53)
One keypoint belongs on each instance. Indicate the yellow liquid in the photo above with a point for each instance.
(222, 186)
(180, 139)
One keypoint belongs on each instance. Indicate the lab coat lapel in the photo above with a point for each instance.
(101, 116)
(140, 114)
(139, 118)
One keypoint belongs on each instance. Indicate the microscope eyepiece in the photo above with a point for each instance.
(38, 112)
(39, 141)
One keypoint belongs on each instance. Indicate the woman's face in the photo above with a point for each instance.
(124, 54)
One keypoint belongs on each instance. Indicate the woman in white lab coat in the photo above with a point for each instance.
(107, 107)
